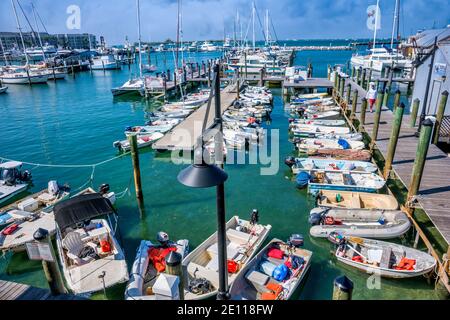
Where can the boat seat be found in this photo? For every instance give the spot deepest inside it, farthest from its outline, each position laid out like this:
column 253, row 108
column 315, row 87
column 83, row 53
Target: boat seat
column 258, row 280
column 46, row 197
column 385, row 261
column 355, row 201
column 74, row 245
column 240, row 237
column 202, row 272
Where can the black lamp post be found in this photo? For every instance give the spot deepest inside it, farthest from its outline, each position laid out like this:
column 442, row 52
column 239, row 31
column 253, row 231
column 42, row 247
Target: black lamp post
column 203, row 175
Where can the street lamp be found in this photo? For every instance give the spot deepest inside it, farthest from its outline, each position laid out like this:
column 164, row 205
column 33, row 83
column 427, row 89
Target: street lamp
column 203, row 175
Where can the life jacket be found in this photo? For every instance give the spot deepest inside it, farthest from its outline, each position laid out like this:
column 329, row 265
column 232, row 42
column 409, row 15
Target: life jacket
column 275, row 290
column 158, row 255
column 406, row 264
column 233, row 266
column 275, row 253
column 357, row 259
column 105, row 246
column 10, row 230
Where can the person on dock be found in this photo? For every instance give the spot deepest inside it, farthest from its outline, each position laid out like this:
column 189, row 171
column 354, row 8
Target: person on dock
column 371, row 96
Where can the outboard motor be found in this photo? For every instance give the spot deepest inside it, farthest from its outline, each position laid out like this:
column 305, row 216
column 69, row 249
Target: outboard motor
column 53, row 187
column 291, row 120
column 316, row 216
column 289, row 161
column 254, row 218
column 128, row 128
column 9, row 177
column 163, row 238
column 104, row 189
column 296, row 240
column 24, row 176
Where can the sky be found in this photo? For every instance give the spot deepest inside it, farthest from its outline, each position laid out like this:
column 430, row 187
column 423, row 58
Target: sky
column 207, row 19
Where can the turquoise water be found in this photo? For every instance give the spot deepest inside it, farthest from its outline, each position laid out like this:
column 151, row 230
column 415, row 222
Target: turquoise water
column 75, row 121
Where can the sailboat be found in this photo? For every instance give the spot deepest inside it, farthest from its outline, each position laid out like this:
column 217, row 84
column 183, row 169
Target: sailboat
column 136, row 85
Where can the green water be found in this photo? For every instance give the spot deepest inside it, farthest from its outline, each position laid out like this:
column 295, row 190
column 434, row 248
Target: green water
column 75, row 121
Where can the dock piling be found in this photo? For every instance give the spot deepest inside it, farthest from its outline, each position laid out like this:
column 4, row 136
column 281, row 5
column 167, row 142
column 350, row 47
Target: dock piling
column 414, row 112
column 341, row 88
column 363, row 78
column 175, row 268
column 349, row 93
column 132, row 139
column 358, row 76
column 421, row 154
column 396, row 100
column 440, row 116
column 342, row 288
column 354, row 103
column 362, row 119
column 398, row 116
column 376, row 120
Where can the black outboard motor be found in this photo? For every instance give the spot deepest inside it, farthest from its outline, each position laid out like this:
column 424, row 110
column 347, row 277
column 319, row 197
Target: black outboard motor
column 316, row 216
column 296, row 240
column 289, row 161
column 24, row 176
column 9, row 177
column 104, row 189
column 163, row 239
column 254, row 218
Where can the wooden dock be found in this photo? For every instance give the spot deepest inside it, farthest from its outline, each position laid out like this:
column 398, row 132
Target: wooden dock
column 434, row 193
column 17, row 291
column 185, row 135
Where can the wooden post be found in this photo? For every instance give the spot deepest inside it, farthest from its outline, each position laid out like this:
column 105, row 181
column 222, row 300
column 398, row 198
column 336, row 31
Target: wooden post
column 440, row 116
column 349, row 93
column 414, row 112
column 396, row 100
column 376, row 121
column 358, row 75
column 362, row 118
column 354, row 104
column 397, row 124
column 245, row 62
column 369, row 79
column 363, row 78
column 175, row 268
column 342, row 288
column 421, row 155
column 209, row 74
column 336, row 81
column 238, row 84
column 342, row 88
column 352, row 76
column 51, row 269
column 261, row 77
column 386, row 96
column 132, row 139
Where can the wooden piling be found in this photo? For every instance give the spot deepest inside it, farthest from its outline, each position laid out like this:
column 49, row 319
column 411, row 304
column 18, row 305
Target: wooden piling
column 363, row 78
column 354, row 104
column 341, row 88
column 396, row 125
column 362, row 119
column 369, row 79
column 336, row 81
column 421, row 155
column 132, row 139
column 440, row 116
column 349, row 93
column 342, row 288
column 396, row 100
column 376, row 120
column 353, row 72
column 414, row 112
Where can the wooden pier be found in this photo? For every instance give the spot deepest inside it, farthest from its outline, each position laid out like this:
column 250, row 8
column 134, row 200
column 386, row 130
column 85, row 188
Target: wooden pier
column 17, row 291
column 185, row 135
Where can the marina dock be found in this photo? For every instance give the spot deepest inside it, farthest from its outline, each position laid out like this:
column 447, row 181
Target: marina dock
column 17, row 291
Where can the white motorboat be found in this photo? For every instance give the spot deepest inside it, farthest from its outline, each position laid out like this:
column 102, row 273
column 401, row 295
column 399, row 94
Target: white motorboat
column 131, row 86
column 142, row 141
column 310, row 144
column 23, row 77
column 105, row 62
column 207, row 47
column 89, row 253
column 3, row 89
column 13, row 180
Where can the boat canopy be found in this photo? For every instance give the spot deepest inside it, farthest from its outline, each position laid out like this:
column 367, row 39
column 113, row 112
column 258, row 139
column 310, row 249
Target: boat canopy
column 81, row 208
column 10, row 165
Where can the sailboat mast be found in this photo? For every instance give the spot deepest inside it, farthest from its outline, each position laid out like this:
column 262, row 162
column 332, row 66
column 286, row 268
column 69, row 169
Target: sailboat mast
column 376, row 26
column 139, row 36
column 253, row 24
column 20, row 31
column 178, row 33
column 3, row 50
column 37, row 31
column 267, row 27
column 395, row 23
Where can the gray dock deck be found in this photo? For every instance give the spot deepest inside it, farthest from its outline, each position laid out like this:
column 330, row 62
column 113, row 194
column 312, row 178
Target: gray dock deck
column 185, row 135
column 17, row 291
column 434, row 193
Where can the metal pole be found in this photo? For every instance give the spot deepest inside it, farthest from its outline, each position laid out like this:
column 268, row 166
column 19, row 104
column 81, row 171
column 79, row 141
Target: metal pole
column 398, row 116
column 421, row 154
column 440, row 116
column 221, row 244
column 427, row 88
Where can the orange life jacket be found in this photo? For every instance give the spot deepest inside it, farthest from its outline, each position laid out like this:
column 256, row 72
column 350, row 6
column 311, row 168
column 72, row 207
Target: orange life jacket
column 158, row 257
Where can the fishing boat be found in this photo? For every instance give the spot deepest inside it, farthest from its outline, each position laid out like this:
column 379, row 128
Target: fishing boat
column 360, row 155
column 89, row 253
column 316, row 122
column 356, row 200
column 385, row 259
column 244, row 238
column 312, row 95
column 302, row 164
column 13, row 180
column 149, row 263
column 311, row 144
column 259, row 281
column 23, row 77
column 3, row 89
column 105, row 62
column 305, row 130
column 131, row 86
column 345, row 181
column 357, row 136
column 322, row 115
column 142, row 141
column 375, row 224
column 146, row 130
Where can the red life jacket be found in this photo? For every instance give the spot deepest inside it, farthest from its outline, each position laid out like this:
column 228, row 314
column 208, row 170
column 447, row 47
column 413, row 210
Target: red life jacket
column 158, row 257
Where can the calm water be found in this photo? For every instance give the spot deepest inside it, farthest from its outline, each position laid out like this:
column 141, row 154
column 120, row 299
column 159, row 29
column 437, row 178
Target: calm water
column 75, row 121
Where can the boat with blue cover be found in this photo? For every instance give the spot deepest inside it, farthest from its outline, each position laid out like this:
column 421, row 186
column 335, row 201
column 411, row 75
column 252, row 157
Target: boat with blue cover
column 306, row 164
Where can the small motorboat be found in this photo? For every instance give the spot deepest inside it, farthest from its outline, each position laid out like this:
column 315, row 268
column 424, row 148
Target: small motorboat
column 308, row 145
column 375, row 224
column 316, row 122
column 131, row 86
column 149, row 263
column 306, row 130
column 385, row 259
column 146, row 130
column 89, row 253
column 244, row 238
column 142, row 141
column 345, row 181
column 149, row 68
column 273, row 274
column 357, row 155
column 13, row 180
column 357, row 136
column 356, row 200
column 305, row 164
column 3, row 89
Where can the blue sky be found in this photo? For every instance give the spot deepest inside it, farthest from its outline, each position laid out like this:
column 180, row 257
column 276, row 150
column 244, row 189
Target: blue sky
column 205, row 19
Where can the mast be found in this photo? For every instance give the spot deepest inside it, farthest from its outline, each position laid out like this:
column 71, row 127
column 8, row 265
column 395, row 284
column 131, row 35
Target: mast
column 267, row 28
column 20, row 32
column 395, row 24
column 4, row 53
column 139, row 36
column 178, row 33
column 37, row 31
column 253, row 23
column 375, row 27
